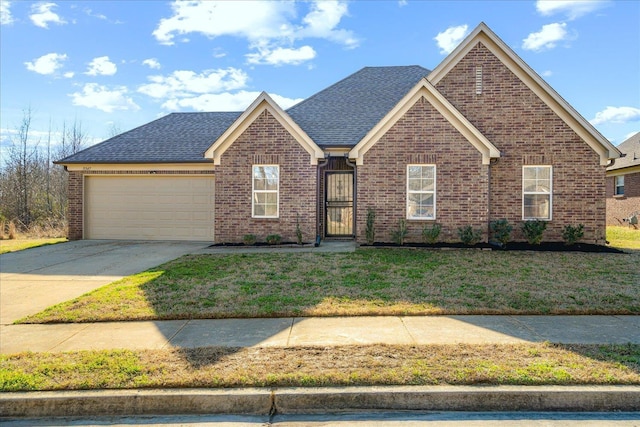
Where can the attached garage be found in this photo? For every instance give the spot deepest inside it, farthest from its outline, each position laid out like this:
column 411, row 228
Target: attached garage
column 149, row 207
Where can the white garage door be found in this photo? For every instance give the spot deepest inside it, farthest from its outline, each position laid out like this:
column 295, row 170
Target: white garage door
column 149, row 207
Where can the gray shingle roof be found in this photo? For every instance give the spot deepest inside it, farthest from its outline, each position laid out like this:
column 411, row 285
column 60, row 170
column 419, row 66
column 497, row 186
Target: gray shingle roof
column 177, row 137
column 630, row 147
column 340, row 115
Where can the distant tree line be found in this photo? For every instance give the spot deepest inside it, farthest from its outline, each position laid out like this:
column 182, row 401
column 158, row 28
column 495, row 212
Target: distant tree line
column 33, row 191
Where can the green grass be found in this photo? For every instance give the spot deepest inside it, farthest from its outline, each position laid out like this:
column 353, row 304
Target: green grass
column 623, row 237
column 367, row 282
column 22, row 244
column 522, row 364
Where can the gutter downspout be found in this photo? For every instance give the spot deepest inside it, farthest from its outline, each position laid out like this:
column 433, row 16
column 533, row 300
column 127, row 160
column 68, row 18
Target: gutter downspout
column 319, row 205
column 355, row 191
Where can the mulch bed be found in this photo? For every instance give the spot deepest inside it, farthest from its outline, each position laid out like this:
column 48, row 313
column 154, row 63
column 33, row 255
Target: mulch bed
column 511, row 246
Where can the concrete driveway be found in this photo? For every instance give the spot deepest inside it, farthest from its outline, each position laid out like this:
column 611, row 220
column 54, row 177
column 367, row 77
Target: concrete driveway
column 33, row 279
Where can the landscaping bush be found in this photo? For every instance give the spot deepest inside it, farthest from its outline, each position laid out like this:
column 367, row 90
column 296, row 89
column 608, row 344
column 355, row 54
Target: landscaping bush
column 501, row 230
column 273, row 239
column 533, row 231
column 249, row 239
column 469, row 236
column 370, row 228
column 400, row 234
column 571, row 234
column 430, row 234
column 298, row 230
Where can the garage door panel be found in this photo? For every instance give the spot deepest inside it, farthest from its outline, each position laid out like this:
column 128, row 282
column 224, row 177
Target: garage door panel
column 149, row 208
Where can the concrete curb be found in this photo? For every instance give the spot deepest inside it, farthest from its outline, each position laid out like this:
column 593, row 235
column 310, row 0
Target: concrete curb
column 262, row 401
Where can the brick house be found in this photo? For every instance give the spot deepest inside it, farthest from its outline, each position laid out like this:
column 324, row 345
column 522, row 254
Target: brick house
column 623, row 184
column 479, row 138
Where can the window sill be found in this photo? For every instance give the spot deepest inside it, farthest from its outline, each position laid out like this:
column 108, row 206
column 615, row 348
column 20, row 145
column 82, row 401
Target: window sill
column 619, row 196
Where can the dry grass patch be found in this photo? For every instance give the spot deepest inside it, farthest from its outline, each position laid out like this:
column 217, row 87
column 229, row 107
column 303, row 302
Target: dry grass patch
column 21, row 244
column 524, row 364
column 367, row 282
column 624, row 237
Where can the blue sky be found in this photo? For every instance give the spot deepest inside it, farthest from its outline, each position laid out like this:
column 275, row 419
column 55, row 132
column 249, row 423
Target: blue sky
column 120, row 64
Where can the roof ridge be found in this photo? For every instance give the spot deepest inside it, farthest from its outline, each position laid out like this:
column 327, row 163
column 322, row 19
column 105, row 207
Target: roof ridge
column 350, row 76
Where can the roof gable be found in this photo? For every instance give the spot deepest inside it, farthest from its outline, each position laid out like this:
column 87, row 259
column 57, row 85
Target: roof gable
column 262, row 103
column 482, row 34
column 342, row 114
column 425, row 89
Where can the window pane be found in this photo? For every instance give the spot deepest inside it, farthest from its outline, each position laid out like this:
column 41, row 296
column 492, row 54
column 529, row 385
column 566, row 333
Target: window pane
column 544, row 173
column 271, row 210
column 258, row 210
column 259, row 184
column 537, row 206
column 271, row 198
column 529, row 173
column 415, row 172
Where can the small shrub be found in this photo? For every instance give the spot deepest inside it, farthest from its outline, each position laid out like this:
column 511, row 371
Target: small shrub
column 430, row 234
column 469, row 236
column 370, row 228
column 533, row 231
column 249, row 239
column 501, row 230
column 273, row 239
column 572, row 234
column 400, row 234
column 13, row 230
column 3, row 225
column 298, row 230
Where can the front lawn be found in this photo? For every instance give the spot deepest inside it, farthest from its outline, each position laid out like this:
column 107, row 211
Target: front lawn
column 367, row 282
column 521, row 364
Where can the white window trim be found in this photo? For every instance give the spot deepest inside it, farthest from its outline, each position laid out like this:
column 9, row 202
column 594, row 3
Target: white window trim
column 253, row 193
column 534, row 192
column 615, row 185
column 435, row 180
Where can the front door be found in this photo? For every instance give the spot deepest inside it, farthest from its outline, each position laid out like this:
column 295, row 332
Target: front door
column 339, row 204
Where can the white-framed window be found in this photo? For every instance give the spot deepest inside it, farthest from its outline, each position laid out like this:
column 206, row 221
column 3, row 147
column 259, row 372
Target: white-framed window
column 421, row 191
column 266, row 191
column 537, row 190
column 619, row 185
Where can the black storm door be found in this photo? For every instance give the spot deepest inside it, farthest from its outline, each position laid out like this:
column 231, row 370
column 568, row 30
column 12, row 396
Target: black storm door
column 339, row 204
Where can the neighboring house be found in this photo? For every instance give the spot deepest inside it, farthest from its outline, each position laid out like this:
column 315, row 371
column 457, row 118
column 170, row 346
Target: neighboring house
column 623, row 184
column 480, row 138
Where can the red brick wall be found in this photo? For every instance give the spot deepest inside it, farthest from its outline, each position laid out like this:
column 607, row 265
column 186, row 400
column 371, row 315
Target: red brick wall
column 75, row 209
column 620, row 207
column 265, row 141
column 526, row 131
column 422, row 136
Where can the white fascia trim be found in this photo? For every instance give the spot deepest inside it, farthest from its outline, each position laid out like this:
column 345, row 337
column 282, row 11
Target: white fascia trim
column 143, row 167
column 624, row 171
column 482, row 33
column 262, row 103
column 444, row 107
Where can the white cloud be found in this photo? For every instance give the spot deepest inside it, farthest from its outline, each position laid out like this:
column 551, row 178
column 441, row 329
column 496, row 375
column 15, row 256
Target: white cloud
column 547, row 73
column 402, row 3
column 42, row 14
column 69, row 74
column 264, row 24
column 322, row 20
column 183, row 83
column 616, row 115
column 281, row 56
column 571, row 8
column 546, row 38
column 46, row 64
column 5, row 13
column 102, row 98
column 101, row 66
column 152, row 63
column 238, row 101
column 450, row 38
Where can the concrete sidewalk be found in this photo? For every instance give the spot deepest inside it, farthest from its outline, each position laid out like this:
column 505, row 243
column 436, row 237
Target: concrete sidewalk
column 328, row 331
